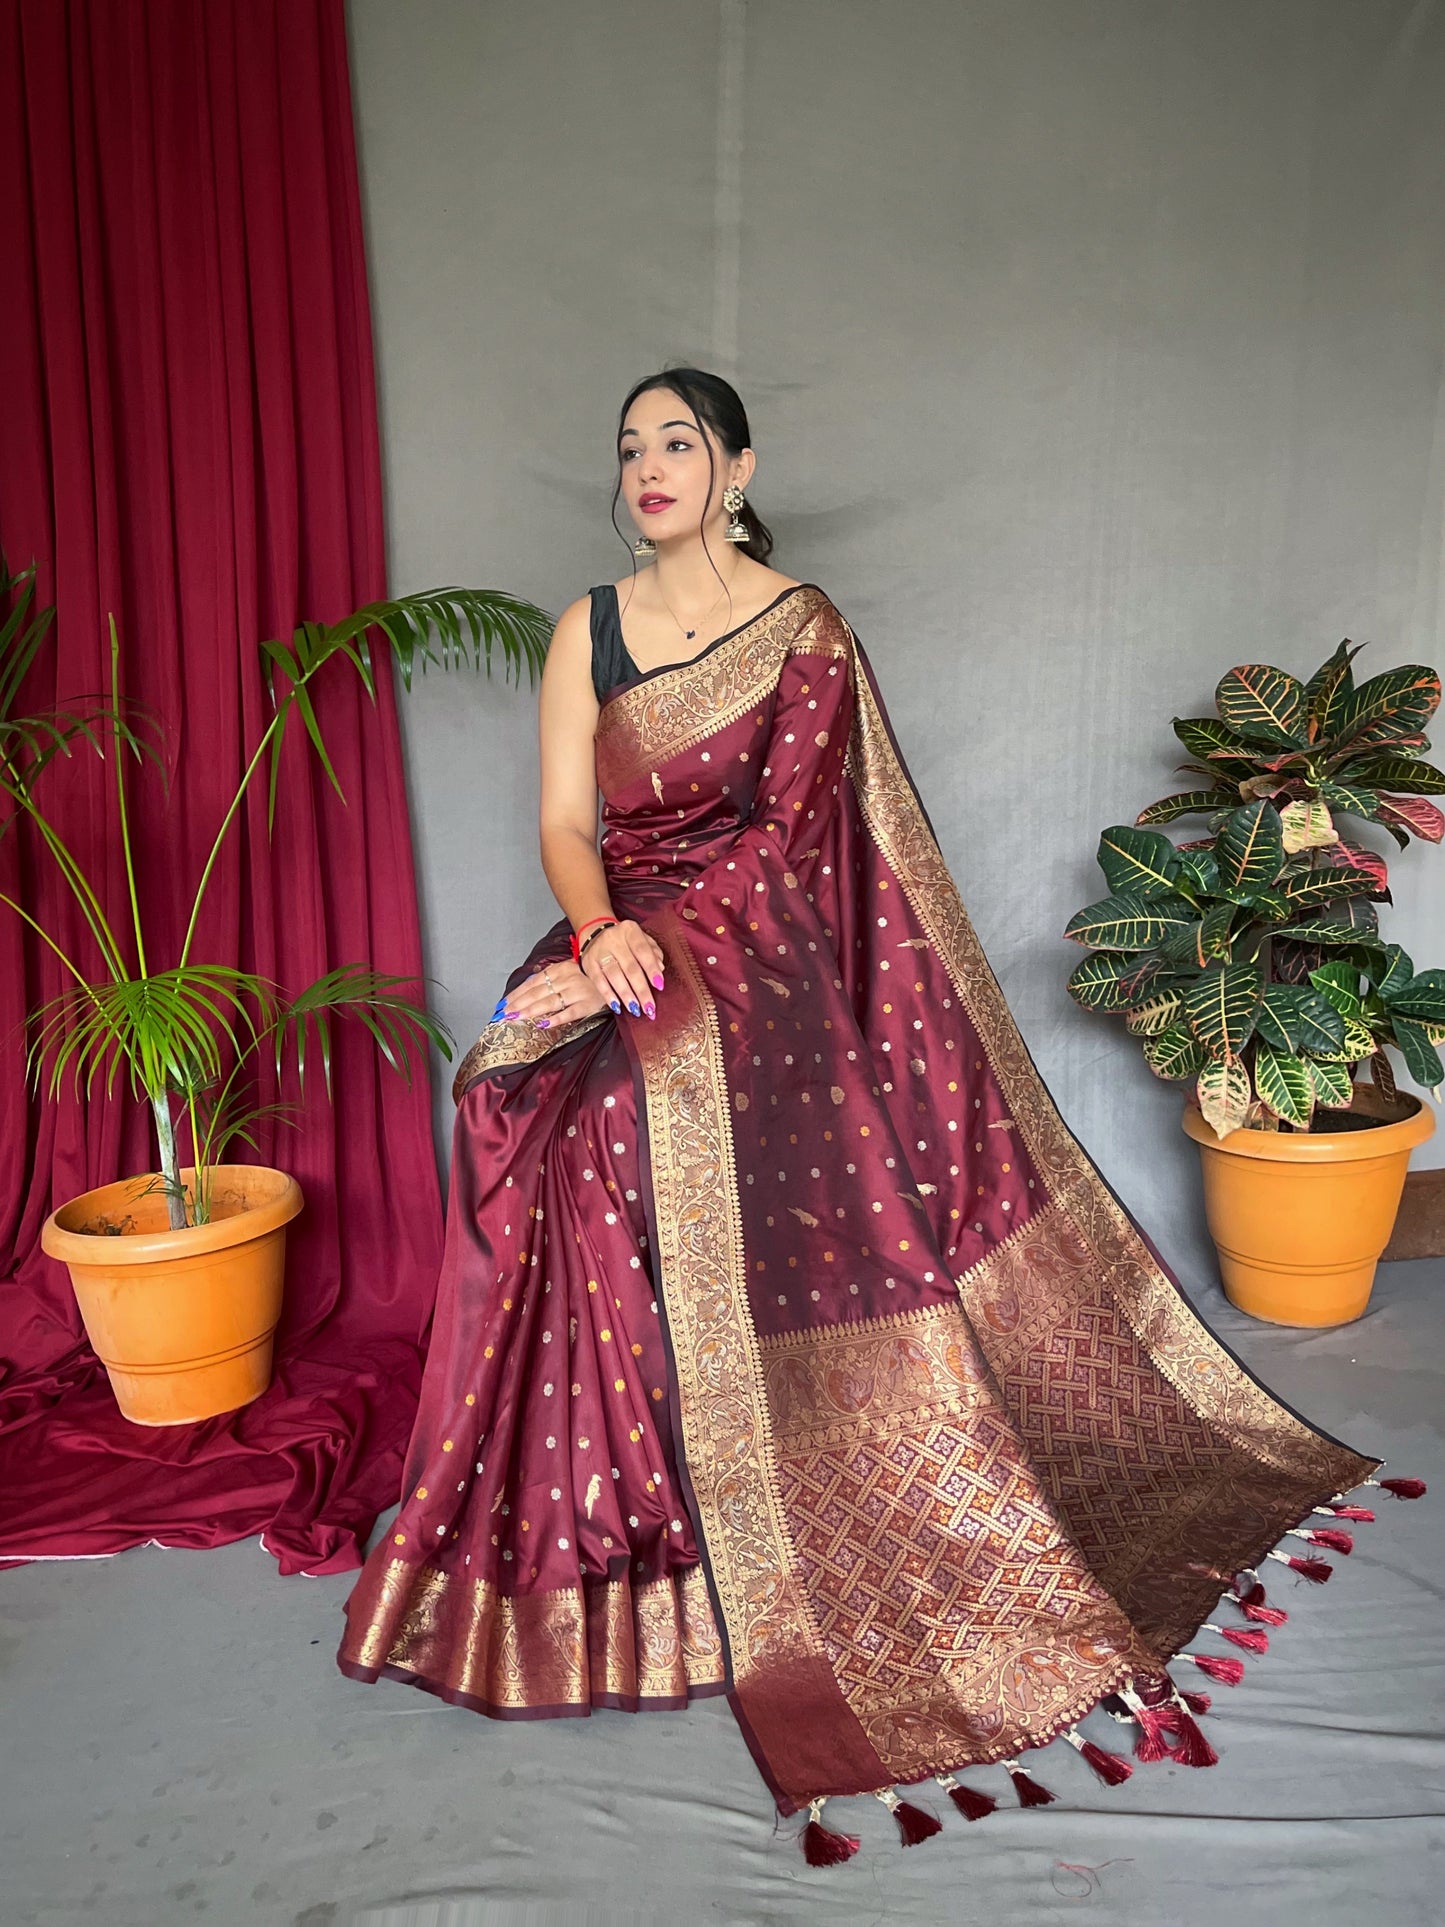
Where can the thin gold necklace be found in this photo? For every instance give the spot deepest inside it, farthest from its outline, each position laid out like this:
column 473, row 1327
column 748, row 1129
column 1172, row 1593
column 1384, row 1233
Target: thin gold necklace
column 688, row 634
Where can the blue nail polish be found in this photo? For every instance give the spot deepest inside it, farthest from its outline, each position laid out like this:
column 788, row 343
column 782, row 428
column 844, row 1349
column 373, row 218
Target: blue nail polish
column 634, row 1007
column 615, row 1005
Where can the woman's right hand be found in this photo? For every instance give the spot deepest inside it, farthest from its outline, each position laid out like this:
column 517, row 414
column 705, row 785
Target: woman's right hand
column 627, row 966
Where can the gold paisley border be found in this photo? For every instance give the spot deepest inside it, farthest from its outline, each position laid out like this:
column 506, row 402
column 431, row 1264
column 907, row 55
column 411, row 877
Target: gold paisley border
column 1175, row 1338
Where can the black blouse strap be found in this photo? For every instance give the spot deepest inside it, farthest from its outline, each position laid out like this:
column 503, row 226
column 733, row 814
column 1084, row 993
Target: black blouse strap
column 611, row 664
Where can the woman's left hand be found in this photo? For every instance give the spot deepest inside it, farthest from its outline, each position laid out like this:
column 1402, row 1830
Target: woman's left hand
column 557, row 993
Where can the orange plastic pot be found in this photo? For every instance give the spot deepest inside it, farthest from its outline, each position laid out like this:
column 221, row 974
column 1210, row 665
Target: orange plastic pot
column 1299, row 1218
column 183, row 1321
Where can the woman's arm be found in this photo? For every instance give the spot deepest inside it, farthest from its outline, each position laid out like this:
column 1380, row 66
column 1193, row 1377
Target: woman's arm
column 571, row 861
column 567, row 722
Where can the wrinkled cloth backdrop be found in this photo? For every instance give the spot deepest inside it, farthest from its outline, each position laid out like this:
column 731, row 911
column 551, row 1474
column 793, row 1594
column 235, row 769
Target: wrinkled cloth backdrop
column 185, row 356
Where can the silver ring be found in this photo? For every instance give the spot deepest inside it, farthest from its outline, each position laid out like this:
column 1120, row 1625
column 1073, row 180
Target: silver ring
column 609, row 958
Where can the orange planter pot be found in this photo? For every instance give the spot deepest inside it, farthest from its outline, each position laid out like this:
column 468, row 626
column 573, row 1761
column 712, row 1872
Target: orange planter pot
column 183, row 1321
column 1299, row 1219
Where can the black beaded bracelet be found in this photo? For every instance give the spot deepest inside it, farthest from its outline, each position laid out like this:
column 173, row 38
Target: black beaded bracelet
column 582, row 948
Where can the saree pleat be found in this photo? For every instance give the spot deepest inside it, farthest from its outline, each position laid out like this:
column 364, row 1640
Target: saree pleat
column 932, row 1435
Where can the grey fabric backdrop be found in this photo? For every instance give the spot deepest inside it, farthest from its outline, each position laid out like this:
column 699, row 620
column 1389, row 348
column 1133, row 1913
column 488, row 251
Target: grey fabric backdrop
column 1090, row 347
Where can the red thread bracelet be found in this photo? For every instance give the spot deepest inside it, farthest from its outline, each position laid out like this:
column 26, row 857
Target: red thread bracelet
column 576, row 945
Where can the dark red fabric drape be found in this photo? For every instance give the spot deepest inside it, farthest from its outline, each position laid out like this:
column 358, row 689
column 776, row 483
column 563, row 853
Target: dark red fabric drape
column 190, row 442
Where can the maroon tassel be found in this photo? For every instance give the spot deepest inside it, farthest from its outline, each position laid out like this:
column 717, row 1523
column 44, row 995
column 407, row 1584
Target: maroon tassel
column 1251, row 1603
column 1360, row 1513
column 1153, row 1742
column 1315, row 1570
column 1228, row 1671
column 823, row 1848
column 1192, row 1749
column 1198, row 1703
column 1111, row 1768
column 1030, row 1793
column 970, row 1803
column 1332, row 1540
column 914, row 1824
column 1254, row 1639
column 1402, row 1488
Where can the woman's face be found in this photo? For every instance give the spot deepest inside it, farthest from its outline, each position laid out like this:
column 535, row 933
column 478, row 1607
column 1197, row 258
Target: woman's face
column 664, row 459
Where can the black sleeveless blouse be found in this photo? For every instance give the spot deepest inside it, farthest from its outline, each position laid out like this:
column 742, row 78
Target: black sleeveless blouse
column 611, row 663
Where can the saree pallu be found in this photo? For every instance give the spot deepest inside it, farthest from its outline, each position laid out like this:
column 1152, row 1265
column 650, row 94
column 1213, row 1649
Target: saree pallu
column 789, row 1345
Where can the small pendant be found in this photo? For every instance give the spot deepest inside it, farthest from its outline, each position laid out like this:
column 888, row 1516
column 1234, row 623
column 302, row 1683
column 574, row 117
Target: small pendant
column 690, row 634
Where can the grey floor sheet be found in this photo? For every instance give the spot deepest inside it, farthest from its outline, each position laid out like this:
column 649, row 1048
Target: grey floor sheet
column 176, row 1745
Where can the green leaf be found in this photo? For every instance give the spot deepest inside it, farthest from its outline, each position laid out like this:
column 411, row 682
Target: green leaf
column 1296, row 1017
column 1221, row 1005
column 1198, row 867
column 1263, row 704
column 1422, row 1060
column 1351, row 799
column 1395, row 974
column 1309, row 890
column 1333, row 1085
column 1250, row 847
column 1184, row 803
column 1403, row 773
column 1398, row 703
column 1128, row 922
column 1149, row 1019
column 1328, row 933
column 1094, row 983
column 1208, row 737
column 1175, row 1052
column 1338, row 982
column 1421, row 998
column 1283, row 1083
column 1329, row 689
column 1224, row 1095
column 1203, row 942
column 1139, row 862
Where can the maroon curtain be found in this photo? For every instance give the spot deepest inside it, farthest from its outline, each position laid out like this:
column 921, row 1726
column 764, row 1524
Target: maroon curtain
column 191, row 443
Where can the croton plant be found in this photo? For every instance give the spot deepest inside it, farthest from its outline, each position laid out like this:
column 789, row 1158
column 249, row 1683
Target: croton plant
column 1250, row 959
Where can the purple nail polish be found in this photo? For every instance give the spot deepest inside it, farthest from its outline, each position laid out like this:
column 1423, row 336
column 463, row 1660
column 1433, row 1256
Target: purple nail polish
column 657, row 980
column 651, row 1009
column 543, row 1022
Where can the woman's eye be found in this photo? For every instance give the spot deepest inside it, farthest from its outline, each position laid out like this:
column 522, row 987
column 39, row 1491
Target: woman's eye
column 674, row 443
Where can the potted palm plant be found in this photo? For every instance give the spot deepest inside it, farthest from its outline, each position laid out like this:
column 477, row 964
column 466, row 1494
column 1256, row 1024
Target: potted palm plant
column 1250, row 964
column 178, row 1273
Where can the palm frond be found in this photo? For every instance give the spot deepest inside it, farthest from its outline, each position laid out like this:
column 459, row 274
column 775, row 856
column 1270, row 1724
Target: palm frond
column 167, row 1029
column 385, row 1004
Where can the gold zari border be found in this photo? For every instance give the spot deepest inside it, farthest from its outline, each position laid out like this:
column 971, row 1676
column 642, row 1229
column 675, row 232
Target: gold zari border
column 516, row 1652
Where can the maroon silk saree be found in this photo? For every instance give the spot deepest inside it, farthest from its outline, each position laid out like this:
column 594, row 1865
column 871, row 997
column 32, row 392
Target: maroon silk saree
column 789, row 1345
